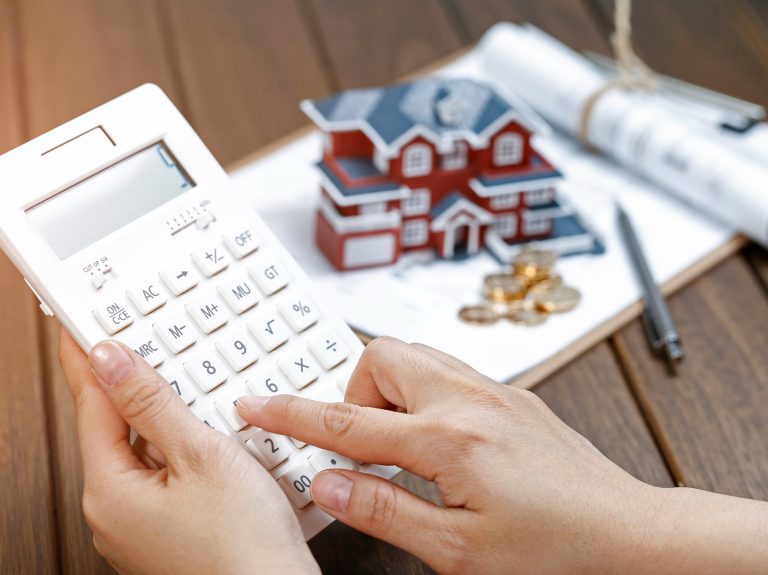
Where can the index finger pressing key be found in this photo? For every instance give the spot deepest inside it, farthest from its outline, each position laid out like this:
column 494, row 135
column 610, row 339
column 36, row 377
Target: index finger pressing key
column 361, row 433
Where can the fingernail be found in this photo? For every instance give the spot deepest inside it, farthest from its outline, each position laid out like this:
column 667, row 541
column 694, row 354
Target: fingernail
column 250, row 402
column 111, row 362
column 331, row 490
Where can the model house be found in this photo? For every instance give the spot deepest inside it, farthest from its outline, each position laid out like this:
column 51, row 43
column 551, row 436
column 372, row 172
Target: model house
column 443, row 164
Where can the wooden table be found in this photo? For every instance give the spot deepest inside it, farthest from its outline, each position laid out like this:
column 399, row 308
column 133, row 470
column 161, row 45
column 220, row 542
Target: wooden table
column 237, row 69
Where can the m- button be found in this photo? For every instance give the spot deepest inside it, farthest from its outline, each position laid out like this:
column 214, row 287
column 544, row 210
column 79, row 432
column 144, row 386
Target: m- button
column 113, row 315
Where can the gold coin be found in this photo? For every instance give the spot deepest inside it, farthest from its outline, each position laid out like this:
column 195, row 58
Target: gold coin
column 478, row 314
column 527, row 317
column 531, row 257
column 559, row 299
column 504, row 287
column 509, row 307
column 548, row 284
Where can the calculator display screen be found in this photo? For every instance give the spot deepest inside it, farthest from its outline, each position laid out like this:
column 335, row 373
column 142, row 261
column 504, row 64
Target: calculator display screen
column 97, row 206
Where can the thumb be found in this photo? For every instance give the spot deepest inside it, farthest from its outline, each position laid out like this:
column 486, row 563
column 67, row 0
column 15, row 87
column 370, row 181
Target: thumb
column 146, row 401
column 387, row 511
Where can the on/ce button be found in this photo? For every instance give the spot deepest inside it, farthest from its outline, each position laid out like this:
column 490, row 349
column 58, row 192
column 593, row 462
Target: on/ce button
column 113, row 315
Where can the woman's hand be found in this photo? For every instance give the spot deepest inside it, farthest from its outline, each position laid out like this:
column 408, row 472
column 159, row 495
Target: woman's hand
column 184, row 498
column 523, row 492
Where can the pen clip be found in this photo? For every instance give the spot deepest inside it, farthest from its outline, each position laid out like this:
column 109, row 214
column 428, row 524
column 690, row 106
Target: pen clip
column 654, row 338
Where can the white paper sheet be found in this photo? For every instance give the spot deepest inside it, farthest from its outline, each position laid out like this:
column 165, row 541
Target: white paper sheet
column 422, row 304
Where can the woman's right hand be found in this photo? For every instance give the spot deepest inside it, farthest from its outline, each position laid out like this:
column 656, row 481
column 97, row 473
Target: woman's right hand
column 523, row 493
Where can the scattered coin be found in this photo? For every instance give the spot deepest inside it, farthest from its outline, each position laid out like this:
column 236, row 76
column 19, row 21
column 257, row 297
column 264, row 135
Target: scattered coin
column 504, row 288
column 548, row 284
column 527, row 317
column 478, row 314
column 534, row 265
column 557, row 300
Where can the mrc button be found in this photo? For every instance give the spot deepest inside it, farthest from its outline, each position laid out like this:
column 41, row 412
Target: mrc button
column 113, row 315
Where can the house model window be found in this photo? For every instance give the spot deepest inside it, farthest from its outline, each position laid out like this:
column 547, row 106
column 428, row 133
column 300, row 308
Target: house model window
column 415, row 232
column 508, row 150
column 417, row 203
column 373, row 208
column 417, row 160
column 456, row 159
column 506, row 225
column 536, row 225
column 537, row 197
column 505, row 201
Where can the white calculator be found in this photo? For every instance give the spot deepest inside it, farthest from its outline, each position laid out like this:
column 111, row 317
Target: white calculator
column 125, row 226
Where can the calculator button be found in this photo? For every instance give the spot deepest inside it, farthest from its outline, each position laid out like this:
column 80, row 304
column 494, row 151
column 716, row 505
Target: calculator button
column 98, row 279
column 225, row 405
column 211, row 260
column 296, row 484
column 176, row 332
column 269, row 330
column 147, row 347
column 239, row 292
column 238, row 348
column 113, row 315
column 269, row 448
column 269, row 381
column 208, row 312
column 207, row 369
column 300, row 312
column 213, row 421
column 329, row 349
column 270, row 275
column 300, row 367
column 181, row 384
column 297, row 442
column 180, row 278
column 241, row 241
column 147, row 297
column 322, row 459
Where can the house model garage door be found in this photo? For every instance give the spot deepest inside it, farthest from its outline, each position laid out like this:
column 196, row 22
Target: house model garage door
column 370, row 250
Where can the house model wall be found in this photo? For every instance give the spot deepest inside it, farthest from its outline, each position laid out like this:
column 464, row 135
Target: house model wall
column 444, row 164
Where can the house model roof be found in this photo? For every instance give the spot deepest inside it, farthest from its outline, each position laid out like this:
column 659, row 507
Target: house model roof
column 440, row 109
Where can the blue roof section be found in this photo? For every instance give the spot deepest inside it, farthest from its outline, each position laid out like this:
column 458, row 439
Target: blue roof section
column 445, row 204
column 358, row 167
column 386, row 186
column 540, row 207
column 439, row 105
column 491, row 181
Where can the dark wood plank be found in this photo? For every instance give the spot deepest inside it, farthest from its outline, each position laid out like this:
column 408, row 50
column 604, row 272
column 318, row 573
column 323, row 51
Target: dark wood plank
column 77, row 55
column 710, row 418
column 371, row 43
column 28, row 542
column 720, row 45
column 571, row 21
column 244, row 67
column 592, row 396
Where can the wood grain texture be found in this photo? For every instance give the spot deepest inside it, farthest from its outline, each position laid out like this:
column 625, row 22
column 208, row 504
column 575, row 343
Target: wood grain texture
column 28, row 537
column 710, row 418
column 77, row 55
column 370, row 43
column 571, row 21
column 713, row 43
column 244, row 67
column 592, row 396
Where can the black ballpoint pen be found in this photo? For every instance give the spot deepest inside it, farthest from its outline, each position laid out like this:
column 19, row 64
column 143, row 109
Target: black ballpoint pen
column 657, row 319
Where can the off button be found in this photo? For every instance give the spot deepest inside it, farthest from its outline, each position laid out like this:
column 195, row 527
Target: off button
column 113, row 315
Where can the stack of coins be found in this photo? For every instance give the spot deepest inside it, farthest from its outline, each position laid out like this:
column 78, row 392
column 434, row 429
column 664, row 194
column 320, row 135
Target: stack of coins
column 527, row 295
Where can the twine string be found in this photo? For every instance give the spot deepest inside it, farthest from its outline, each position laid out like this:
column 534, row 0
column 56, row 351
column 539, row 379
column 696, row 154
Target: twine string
column 632, row 71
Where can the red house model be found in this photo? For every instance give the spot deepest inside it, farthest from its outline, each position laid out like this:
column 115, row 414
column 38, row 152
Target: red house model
column 445, row 164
